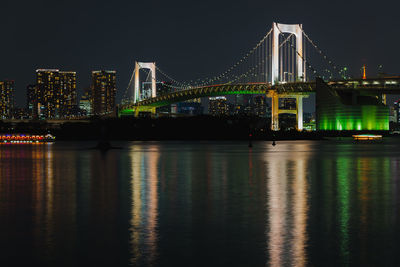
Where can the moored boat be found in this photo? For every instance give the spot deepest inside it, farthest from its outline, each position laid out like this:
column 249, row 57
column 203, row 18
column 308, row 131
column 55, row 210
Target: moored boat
column 367, row 137
column 26, row 138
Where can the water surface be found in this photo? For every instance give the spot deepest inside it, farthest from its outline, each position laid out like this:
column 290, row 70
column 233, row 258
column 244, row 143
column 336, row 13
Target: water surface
column 300, row 203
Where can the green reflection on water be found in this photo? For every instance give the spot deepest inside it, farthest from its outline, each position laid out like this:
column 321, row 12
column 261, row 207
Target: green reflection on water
column 343, row 167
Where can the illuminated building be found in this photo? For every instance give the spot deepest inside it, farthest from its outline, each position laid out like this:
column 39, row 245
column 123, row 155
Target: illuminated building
column 32, row 99
column 162, row 88
column 20, row 113
column 349, row 111
column 396, row 112
column 6, row 99
column 218, row 106
column 243, row 105
column 103, row 91
column 393, row 114
column 85, row 104
column 56, row 93
column 189, row 108
column 260, row 106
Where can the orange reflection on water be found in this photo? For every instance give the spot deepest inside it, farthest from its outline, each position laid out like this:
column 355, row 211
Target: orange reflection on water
column 152, row 199
column 277, row 202
column 136, row 202
column 300, row 209
column 287, row 205
column 144, row 188
column 49, row 182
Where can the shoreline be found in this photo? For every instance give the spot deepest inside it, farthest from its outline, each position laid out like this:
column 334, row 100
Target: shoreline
column 198, row 128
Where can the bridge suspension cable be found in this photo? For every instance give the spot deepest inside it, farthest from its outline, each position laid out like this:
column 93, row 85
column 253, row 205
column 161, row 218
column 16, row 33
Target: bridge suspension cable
column 254, row 66
column 225, row 74
column 302, row 57
column 127, row 90
column 262, row 48
column 324, row 56
column 244, row 58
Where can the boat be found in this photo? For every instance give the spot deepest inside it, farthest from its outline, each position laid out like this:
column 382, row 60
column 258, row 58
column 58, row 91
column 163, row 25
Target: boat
column 26, row 138
column 367, row 137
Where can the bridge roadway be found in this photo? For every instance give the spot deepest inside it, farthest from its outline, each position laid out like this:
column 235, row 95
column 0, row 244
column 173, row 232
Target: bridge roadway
column 222, row 90
column 386, row 85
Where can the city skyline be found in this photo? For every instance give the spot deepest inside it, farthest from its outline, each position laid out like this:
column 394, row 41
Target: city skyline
column 172, row 38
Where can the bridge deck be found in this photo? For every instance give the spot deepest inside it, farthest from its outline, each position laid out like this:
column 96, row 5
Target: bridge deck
column 386, row 85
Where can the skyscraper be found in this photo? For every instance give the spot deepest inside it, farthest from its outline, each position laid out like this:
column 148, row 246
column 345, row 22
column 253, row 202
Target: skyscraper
column 218, row 106
column 85, row 104
column 103, row 91
column 6, row 99
column 260, row 106
column 32, row 100
column 243, row 105
column 55, row 93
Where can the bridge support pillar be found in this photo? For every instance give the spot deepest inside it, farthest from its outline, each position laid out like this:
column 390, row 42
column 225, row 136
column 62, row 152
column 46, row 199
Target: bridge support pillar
column 145, row 109
column 384, row 99
column 299, row 112
column 274, row 110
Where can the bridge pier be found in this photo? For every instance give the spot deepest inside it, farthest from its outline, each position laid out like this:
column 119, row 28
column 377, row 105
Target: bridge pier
column 384, row 99
column 275, row 111
column 299, row 112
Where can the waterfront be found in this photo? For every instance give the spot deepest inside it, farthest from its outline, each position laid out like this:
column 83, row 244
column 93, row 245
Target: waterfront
column 300, row 203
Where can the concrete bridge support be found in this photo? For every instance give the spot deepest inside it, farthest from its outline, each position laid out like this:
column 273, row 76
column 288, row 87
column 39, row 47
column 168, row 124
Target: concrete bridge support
column 299, row 112
column 275, row 111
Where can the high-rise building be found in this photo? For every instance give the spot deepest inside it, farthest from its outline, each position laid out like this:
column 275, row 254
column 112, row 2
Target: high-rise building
column 104, row 90
column 396, row 114
column 85, row 105
column 33, row 98
column 162, row 88
column 260, row 106
column 55, row 93
column 189, row 108
column 243, row 105
column 6, row 99
column 30, row 98
column 218, row 106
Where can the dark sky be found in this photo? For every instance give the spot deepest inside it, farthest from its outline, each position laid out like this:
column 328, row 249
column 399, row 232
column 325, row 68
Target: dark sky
column 187, row 39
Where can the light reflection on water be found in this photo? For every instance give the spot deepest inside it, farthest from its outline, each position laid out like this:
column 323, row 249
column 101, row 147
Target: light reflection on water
column 144, row 217
column 201, row 203
column 287, row 207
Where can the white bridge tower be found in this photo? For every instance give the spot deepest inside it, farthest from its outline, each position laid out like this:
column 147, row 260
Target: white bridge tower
column 300, row 75
column 296, row 30
column 137, row 96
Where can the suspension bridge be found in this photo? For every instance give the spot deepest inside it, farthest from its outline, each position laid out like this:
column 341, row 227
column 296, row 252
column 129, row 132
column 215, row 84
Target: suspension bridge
column 278, row 66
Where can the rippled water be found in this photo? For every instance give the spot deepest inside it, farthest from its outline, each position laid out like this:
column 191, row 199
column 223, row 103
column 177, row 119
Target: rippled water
column 300, row 203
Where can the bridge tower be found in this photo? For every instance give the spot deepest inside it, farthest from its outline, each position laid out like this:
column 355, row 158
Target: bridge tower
column 296, row 30
column 137, row 96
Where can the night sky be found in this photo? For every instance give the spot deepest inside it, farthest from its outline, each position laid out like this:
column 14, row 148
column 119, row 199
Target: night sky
column 187, row 39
